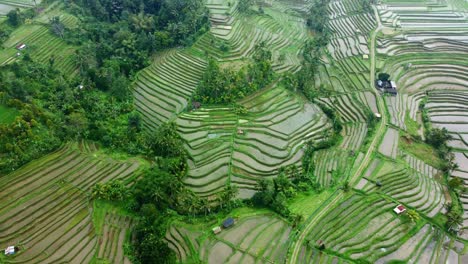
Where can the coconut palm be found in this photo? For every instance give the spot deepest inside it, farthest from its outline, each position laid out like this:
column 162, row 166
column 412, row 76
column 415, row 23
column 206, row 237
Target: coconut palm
column 454, row 221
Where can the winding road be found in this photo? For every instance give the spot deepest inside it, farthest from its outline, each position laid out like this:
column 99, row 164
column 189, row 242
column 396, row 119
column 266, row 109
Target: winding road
column 296, row 246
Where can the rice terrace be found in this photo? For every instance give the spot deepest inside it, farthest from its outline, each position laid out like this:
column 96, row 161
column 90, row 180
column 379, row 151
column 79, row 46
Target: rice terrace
column 233, row 131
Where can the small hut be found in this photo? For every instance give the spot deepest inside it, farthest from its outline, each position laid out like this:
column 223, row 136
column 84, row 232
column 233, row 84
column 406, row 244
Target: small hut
column 216, row 230
column 399, row 209
column 21, row 46
column 11, row 250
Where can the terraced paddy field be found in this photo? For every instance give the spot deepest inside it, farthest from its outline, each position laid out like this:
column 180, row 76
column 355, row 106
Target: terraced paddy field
column 422, row 44
column 162, row 90
column 350, row 26
column 332, row 166
column 46, row 210
column 364, row 228
column 427, row 59
column 404, row 108
column 426, row 246
column 281, row 28
column 256, row 238
column 389, row 145
column 424, row 14
column 8, row 5
column 40, row 43
column 448, row 109
column 359, row 226
column 242, row 149
column 433, row 71
column 462, row 172
column 409, row 184
column 116, row 232
column 346, row 66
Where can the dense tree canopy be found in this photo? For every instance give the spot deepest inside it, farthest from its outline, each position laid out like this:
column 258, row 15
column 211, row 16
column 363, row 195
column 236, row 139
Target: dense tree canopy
column 318, row 16
column 226, row 86
column 117, row 38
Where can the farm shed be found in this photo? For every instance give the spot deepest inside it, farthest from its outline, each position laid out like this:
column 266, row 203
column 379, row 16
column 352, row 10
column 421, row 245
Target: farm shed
column 10, row 250
column 216, row 230
column 399, row 209
column 20, row 46
column 387, row 87
column 228, row 222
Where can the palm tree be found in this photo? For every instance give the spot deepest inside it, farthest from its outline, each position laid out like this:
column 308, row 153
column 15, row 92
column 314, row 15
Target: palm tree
column 99, row 191
column 297, row 220
column 454, row 221
column 205, row 205
column 448, row 206
column 413, row 215
column 345, row 186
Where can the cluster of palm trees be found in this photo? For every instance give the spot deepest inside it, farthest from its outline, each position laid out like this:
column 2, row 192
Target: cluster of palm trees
column 454, row 219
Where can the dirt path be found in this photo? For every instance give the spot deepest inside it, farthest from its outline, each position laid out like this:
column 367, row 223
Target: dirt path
column 367, row 158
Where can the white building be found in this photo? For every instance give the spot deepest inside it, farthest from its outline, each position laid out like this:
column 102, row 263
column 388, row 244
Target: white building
column 10, row 250
column 399, row 209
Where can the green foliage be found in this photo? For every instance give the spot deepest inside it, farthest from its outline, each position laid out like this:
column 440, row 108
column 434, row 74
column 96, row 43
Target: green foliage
column 57, row 27
column 150, row 244
column 274, row 194
column 371, row 120
column 244, row 5
column 15, row 18
column 413, row 215
column 290, row 82
column 120, row 36
column 7, row 114
column 345, row 187
column 224, row 47
column 114, row 190
column 366, row 5
column 114, row 40
column 312, row 55
column 240, row 109
column 226, row 86
column 332, row 115
column 384, row 76
column 308, row 166
column 437, row 137
column 33, row 132
column 454, row 221
column 318, row 15
column 455, row 183
column 5, row 31
column 166, row 142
